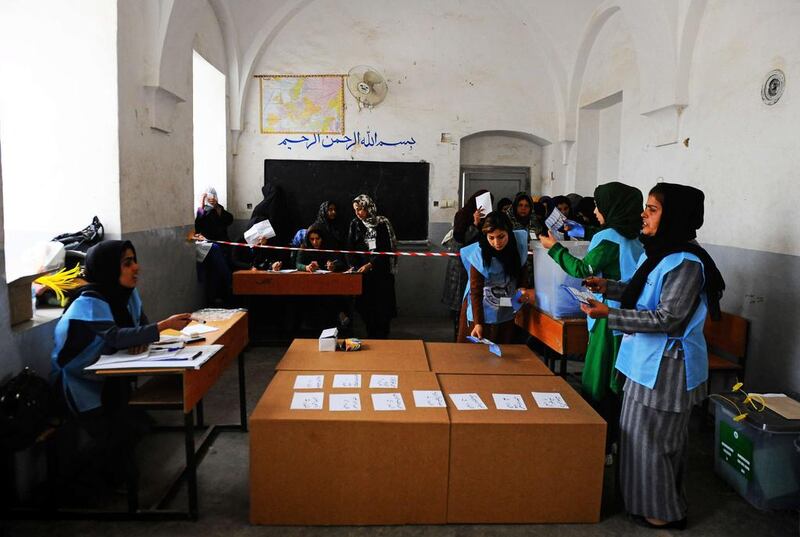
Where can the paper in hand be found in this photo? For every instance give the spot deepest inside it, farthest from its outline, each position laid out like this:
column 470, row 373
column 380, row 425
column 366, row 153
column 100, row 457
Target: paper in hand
column 484, row 203
column 581, row 296
column 260, row 230
column 556, row 220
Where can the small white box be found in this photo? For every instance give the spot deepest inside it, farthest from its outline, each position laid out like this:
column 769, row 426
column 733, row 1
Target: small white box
column 327, row 340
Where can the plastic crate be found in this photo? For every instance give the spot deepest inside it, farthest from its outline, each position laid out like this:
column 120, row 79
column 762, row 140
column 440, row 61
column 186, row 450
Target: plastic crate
column 759, row 456
column 551, row 297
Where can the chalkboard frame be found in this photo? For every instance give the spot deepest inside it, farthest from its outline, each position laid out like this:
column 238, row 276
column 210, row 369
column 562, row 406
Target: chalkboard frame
column 400, row 191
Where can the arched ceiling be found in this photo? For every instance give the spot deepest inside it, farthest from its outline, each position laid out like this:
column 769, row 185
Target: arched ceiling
column 561, row 31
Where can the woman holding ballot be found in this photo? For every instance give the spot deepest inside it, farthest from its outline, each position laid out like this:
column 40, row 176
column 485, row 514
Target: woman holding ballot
column 496, row 269
column 105, row 317
column 613, row 253
column 369, row 231
column 663, row 352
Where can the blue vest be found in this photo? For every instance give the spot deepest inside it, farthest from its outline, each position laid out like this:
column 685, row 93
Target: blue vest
column 497, row 283
column 640, row 353
column 83, row 389
column 630, row 250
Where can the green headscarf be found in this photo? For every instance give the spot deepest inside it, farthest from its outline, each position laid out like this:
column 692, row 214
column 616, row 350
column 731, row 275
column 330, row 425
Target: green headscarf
column 621, row 206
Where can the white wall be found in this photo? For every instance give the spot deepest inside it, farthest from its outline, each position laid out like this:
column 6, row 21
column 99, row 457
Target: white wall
column 156, row 166
column 504, row 150
column 208, row 128
column 453, row 66
column 58, row 120
column 608, row 143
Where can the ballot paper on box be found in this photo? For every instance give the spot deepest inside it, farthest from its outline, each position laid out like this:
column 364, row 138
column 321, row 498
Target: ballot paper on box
column 327, row 340
column 260, row 230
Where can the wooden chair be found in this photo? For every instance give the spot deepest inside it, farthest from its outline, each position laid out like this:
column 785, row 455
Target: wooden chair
column 727, row 344
column 727, row 348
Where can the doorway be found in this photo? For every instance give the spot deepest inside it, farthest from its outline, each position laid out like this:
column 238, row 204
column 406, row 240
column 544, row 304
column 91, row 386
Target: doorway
column 501, row 181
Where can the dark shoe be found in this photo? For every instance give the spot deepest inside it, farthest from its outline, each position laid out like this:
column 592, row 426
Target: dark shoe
column 673, row 525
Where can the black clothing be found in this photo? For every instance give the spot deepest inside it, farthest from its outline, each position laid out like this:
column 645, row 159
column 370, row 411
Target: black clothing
column 211, row 225
column 377, row 304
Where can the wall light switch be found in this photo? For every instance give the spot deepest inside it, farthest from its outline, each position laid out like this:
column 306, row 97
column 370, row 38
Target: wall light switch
column 436, row 203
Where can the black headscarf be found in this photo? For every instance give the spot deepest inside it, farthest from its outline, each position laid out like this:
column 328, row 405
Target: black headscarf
column 558, row 200
column 621, row 207
column 333, row 231
column 681, row 217
column 508, row 256
column 463, row 217
column 524, row 222
column 272, row 208
column 103, row 266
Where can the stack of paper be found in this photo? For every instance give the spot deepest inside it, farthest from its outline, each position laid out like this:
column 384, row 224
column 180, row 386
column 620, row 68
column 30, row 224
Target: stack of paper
column 185, row 358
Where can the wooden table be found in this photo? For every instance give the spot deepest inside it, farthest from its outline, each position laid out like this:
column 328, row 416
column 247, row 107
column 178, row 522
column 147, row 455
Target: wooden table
column 560, row 336
column 472, row 359
column 184, row 389
column 375, row 355
column 262, row 282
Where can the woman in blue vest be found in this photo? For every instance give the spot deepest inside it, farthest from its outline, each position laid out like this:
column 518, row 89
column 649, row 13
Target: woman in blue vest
column 496, row 269
column 613, row 254
column 663, row 352
column 105, row 317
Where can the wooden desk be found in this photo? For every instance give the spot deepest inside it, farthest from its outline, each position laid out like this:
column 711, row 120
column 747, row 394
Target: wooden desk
column 562, row 336
column 184, row 389
column 262, row 282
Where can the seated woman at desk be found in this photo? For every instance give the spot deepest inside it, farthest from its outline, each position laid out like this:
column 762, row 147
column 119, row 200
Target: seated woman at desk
column 496, row 268
column 319, row 311
column 105, row 317
column 663, row 353
column 377, row 303
column 309, row 260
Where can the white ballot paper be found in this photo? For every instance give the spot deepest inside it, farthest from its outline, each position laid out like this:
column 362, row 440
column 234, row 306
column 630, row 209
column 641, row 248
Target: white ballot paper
column 509, row 401
column 429, row 399
column 197, row 329
column 484, row 203
column 383, row 381
column 388, row 401
column 344, row 402
column 261, row 230
column 549, row 400
column 308, row 401
column 581, row 296
column 309, row 382
column 468, row 401
column 347, row 381
column 555, row 220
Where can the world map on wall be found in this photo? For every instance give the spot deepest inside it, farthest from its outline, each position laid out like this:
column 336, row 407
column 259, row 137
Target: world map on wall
column 302, row 104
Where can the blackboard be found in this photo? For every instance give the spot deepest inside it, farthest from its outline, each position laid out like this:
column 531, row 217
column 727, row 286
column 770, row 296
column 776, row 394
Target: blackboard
column 399, row 190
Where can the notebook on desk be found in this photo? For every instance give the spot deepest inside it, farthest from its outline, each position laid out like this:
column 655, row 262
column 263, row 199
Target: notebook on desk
column 186, row 358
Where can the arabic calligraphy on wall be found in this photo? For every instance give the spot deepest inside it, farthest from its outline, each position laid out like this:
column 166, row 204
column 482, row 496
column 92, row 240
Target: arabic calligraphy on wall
column 368, row 139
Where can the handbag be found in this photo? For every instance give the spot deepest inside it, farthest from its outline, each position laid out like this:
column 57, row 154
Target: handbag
column 84, row 239
column 26, row 410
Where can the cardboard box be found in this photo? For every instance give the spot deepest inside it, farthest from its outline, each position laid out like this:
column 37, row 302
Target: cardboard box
column 20, row 300
column 318, row 467
column 375, row 355
column 474, row 359
column 327, row 340
column 531, row 466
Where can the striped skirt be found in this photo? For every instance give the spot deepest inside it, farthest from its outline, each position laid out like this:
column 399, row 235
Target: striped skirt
column 653, row 454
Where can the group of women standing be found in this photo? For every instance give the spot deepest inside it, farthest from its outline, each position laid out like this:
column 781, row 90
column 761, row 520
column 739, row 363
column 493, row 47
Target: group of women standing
column 646, row 361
